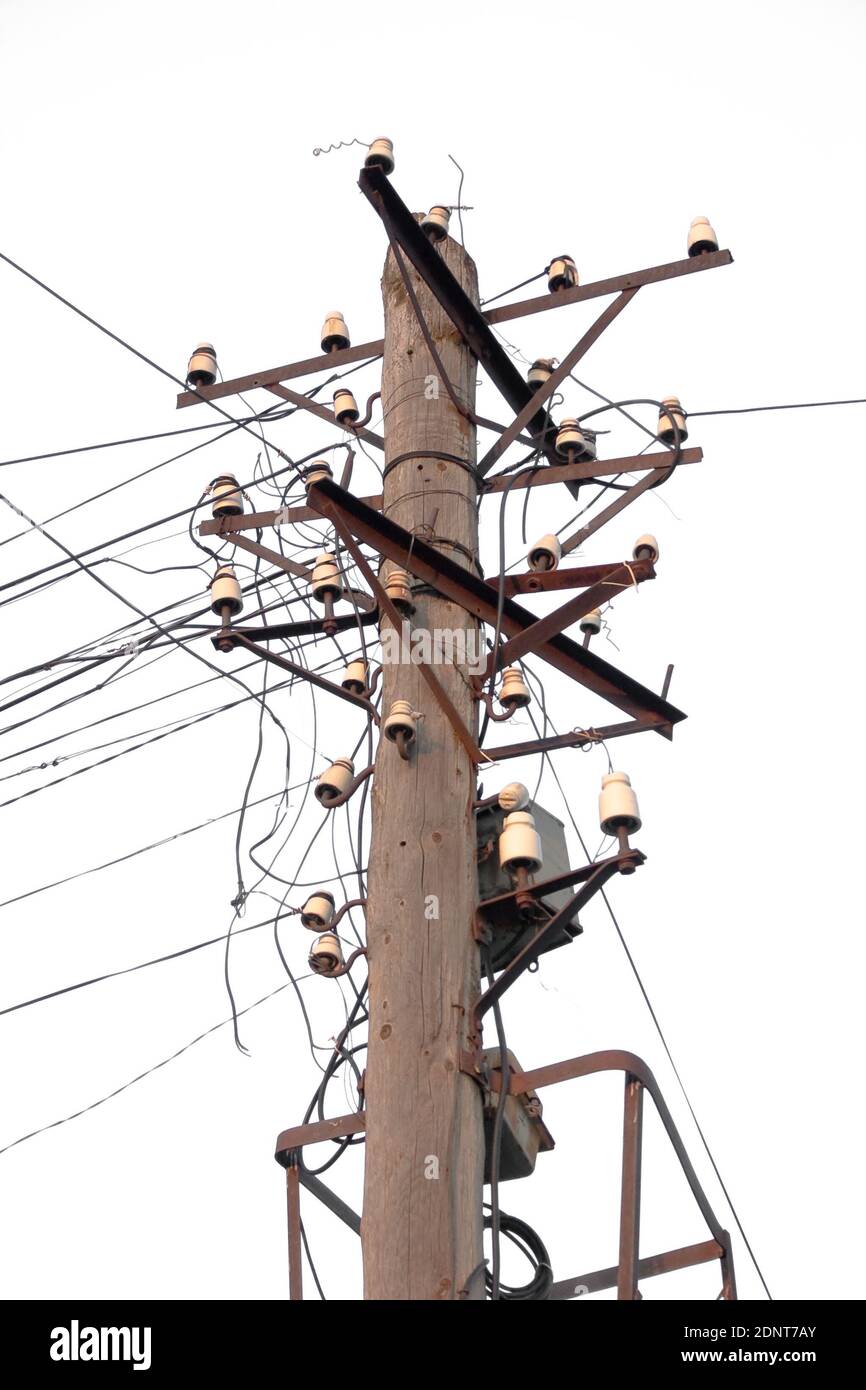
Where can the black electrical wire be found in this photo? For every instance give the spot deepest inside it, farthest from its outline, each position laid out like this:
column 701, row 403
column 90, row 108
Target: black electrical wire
column 294, row 465
column 521, row 1234
column 117, row 443
column 184, row 385
column 493, row 1275
column 503, row 293
column 753, row 409
column 309, row 1256
column 129, row 604
column 143, row 849
column 130, row 969
column 103, row 1100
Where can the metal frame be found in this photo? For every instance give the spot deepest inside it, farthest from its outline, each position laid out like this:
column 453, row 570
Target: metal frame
column 351, row 516
column 627, row 1274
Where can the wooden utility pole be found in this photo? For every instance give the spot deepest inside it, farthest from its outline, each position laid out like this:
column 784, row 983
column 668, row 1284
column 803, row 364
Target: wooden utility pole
column 424, row 1164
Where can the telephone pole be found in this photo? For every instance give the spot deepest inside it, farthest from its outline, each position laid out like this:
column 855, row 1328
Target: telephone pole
column 447, row 868
column 424, row 1158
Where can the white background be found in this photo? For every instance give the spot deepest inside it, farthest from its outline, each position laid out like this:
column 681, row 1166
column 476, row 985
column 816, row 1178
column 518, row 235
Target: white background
column 158, row 170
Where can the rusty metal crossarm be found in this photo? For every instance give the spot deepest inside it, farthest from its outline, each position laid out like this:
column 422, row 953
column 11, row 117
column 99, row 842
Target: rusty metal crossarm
column 276, row 632
column 460, row 585
column 362, row 600
column 623, row 576
column 576, row 738
column 325, row 362
column 578, row 577
column 587, row 471
column 260, row 521
column 595, row 289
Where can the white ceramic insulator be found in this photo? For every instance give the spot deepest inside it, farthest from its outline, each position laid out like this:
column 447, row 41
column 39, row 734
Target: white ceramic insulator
column 514, row 797
column 397, row 587
column 561, row 274
column 227, row 497
column 325, row 578
column 318, row 911
column 401, row 718
column 436, row 223
column 545, row 554
column 381, row 152
column 202, row 366
column 355, row 674
column 326, row 957
column 225, row 591
column 645, row 544
column 335, row 780
column 520, row 843
column 335, row 333
column 701, row 237
column 345, row 406
column 617, row 804
column 513, row 690
column 666, row 430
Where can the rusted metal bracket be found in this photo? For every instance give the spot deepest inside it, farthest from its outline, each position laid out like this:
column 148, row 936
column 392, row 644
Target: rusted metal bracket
column 621, row 577
column 264, row 552
column 577, row 738
column 240, row 639
column 305, row 403
column 595, row 877
column 536, row 402
column 666, row 1263
column 473, row 594
column 607, row 514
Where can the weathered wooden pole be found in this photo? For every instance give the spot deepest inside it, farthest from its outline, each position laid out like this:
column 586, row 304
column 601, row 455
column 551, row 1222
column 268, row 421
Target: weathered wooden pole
column 422, row 1219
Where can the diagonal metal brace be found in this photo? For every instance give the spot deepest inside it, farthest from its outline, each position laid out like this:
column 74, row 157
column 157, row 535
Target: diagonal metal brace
column 460, row 585
column 597, row 879
column 239, row 639
column 466, row 317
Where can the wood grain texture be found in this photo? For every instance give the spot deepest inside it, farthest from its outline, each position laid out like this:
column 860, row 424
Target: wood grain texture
column 422, row 1234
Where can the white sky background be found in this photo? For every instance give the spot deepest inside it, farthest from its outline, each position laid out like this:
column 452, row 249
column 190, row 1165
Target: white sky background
column 158, row 171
